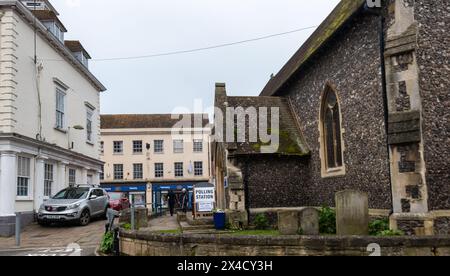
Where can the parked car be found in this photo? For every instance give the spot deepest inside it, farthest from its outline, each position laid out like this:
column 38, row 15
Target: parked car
column 76, row 204
column 118, row 201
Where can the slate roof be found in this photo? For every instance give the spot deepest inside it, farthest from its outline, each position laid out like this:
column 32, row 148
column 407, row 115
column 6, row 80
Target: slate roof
column 338, row 17
column 125, row 121
column 292, row 142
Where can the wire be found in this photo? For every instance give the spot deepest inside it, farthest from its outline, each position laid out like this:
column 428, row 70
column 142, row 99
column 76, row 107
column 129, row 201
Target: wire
column 203, row 48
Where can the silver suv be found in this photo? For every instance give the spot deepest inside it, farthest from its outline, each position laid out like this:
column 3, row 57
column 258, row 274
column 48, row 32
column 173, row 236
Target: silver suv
column 76, row 204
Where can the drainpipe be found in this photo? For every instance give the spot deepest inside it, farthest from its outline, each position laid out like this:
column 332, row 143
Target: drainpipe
column 379, row 12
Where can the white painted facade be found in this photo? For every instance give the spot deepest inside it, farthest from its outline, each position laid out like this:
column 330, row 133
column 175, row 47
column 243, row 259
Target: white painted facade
column 28, row 114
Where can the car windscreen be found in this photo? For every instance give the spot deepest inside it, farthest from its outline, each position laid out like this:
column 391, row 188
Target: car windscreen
column 72, row 193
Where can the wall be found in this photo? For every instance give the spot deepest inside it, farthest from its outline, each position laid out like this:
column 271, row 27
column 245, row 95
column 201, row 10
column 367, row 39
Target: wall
column 149, row 158
column 433, row 56
column 25, row 115
column 147, row 244
column 351, row 64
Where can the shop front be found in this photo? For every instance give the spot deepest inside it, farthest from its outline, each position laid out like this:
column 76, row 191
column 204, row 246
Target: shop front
column 161, row 190
column 136, row 192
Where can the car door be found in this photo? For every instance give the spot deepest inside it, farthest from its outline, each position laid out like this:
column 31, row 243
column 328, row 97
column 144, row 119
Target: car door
column 103, row 201
column 95, row 203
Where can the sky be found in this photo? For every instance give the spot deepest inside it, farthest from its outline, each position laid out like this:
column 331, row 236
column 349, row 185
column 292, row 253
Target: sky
column 129, row 28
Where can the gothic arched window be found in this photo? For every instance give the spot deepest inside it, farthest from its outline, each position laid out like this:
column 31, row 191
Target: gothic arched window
column 331, row 141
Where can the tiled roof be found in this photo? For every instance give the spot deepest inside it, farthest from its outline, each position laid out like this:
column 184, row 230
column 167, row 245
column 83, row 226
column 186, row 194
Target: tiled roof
column 338, row 17
column 150, row 120
column 291, row 139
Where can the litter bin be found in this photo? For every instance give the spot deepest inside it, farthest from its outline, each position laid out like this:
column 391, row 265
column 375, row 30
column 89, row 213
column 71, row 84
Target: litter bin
column 219, row 220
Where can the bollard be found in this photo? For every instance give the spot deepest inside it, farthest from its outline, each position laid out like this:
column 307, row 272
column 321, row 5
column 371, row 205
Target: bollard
column 133, row 226
column 116, row 242
column 18, row 230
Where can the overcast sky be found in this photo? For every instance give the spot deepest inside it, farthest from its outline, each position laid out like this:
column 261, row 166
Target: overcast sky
column 113, row 28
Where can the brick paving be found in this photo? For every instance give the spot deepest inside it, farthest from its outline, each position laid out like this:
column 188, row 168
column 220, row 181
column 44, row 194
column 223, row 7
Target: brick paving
column 53, row 240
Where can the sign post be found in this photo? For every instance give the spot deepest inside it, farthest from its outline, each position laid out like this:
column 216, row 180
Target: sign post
column 204, row 199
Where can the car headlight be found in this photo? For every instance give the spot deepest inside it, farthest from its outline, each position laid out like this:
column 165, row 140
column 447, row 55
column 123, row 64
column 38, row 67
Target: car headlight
column 73, row 206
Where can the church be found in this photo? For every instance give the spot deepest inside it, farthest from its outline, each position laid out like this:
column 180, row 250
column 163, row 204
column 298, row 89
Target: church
column 364, row 104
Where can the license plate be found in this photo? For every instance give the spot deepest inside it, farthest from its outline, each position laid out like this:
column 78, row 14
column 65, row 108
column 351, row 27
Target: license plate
column 53, row 217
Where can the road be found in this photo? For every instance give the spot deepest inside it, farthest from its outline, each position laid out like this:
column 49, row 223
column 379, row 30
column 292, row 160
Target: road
column 61, row 240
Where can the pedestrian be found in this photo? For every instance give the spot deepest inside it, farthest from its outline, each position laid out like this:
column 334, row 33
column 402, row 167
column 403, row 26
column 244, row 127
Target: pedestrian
column 184, row 200
column 171, row 199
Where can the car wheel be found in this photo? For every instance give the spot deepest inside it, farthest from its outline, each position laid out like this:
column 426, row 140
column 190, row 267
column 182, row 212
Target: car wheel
column 85, row 218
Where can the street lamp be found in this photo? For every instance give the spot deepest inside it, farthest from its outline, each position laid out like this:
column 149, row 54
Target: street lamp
column 76, row 127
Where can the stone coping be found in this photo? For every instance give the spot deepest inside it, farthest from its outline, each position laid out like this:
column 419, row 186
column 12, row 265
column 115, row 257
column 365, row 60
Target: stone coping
column 337, row 242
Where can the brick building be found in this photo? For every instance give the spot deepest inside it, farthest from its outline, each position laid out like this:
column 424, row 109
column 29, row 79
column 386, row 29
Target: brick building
column 366, row 98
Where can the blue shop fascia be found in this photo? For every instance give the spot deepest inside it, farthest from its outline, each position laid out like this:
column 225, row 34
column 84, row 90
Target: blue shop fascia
column 152, row 195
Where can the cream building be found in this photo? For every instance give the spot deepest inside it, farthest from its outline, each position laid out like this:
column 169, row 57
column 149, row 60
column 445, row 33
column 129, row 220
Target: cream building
column 49, row 111
column 144, row 159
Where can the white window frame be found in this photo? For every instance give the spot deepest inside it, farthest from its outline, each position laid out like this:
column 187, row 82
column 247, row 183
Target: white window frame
column 136, row 150
column 72, row 177
column 49, row 179
column 178, row 146
column 24, row 173
column 159, row 170
column 89, row 124
column 177, row 171
column 121, row 147
column 116, row 172
column 138, row 174
column 160, row 148
column 198, row 168
column 60, row 110
column 198, row 146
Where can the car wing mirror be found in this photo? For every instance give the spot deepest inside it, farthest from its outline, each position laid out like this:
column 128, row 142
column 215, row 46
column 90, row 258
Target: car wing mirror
column 93, row 197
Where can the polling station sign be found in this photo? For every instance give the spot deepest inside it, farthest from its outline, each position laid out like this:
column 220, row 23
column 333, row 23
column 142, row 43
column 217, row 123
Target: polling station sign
column 205, row 195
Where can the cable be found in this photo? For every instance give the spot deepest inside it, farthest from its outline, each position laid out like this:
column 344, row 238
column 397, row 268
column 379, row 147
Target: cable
column 200, row 49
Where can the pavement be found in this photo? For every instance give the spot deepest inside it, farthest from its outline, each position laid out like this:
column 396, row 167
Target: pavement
column 163, row 223
column 58, row 240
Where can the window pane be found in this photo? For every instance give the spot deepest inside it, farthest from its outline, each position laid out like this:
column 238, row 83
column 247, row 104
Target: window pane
column 159, row 146
column 118, row 171
column 137, row 146
column 198, row 168
column 178, row 146
column 337, row 126
column 179, row 172
column 198, row 145
column 138, row 171
column 159, row 170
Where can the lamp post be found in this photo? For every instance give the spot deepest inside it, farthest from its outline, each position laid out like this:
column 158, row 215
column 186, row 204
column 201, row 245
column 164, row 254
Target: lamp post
column 76, row 127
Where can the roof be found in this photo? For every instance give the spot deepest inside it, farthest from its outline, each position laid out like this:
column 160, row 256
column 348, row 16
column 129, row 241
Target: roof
column 48, row 15
column 291, row 140
column 338, row 17
column 65, row 53
column 76, row 46
column 124, row 121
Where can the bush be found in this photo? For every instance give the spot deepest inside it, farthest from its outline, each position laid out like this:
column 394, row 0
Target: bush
column 378, row 226
column 391, row 233
column 126, row 226
column 327, row 221
column 107, row 244
column 261, row 222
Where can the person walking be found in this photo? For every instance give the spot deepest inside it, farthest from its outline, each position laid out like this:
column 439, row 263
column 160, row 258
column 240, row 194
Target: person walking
column 171, row 199
column 184, row 200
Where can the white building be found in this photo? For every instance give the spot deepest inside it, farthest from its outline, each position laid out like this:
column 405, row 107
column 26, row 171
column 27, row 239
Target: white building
column 49, row 111
column 144, row 158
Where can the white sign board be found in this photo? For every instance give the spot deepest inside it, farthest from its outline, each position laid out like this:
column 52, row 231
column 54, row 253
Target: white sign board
column 205, row 207
column 205, row 198
column 205, row 195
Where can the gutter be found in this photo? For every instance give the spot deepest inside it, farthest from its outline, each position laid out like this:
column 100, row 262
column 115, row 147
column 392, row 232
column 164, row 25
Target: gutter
column 382, row 21
column 54, row 42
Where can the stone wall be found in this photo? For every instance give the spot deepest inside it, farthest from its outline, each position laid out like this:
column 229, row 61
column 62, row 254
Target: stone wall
column 433, row 58
column 151, row 244
column 351, row 63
